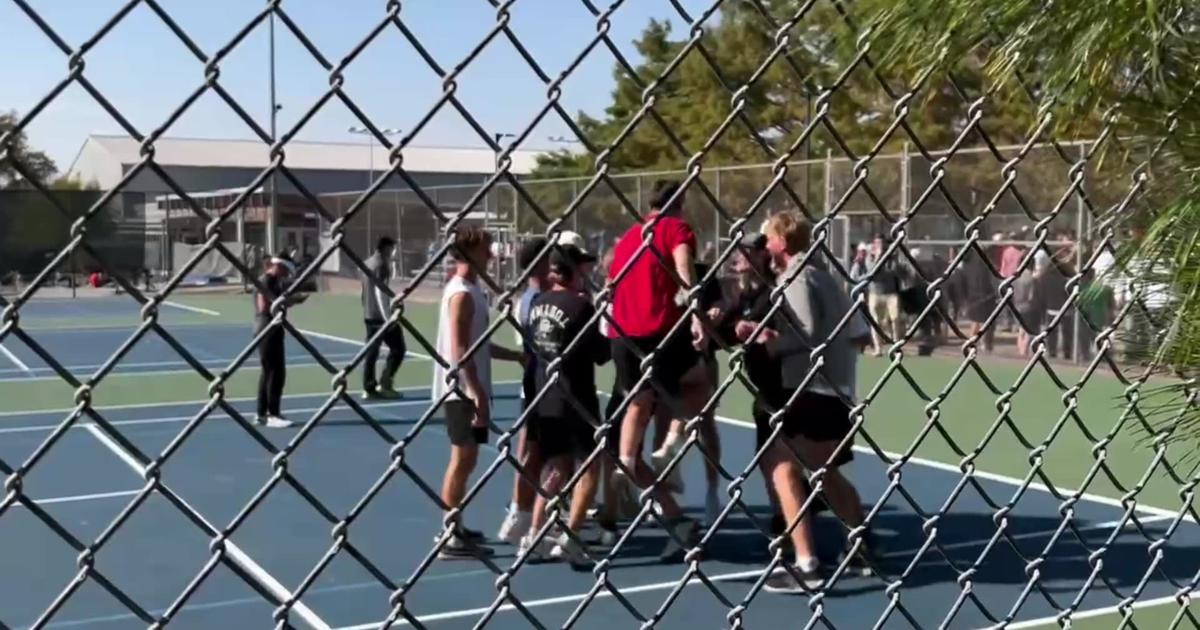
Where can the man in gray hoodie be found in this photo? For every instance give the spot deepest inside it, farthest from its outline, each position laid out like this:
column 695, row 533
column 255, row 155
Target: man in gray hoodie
column 375, row 315
column 816, row 422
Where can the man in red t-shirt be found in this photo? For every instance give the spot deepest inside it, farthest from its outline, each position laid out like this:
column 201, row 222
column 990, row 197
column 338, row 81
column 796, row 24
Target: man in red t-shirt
column 645, row 313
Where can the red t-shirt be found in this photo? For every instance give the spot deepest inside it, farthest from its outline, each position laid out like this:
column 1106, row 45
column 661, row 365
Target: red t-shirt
column 644, row 299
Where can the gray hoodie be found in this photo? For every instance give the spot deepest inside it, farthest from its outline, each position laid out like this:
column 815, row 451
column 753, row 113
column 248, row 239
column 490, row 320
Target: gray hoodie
column 816, row 304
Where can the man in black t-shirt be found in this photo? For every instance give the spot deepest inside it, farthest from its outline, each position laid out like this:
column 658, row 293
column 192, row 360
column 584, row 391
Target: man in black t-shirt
column 566, row 335
column 270, row 348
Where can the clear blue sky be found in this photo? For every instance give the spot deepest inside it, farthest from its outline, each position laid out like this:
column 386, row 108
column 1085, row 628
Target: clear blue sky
column 146, row 72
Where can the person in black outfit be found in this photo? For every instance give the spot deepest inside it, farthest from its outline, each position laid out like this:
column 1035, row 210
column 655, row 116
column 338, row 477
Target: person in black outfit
column 375, row 314
column 271, row 348
column 562, row 327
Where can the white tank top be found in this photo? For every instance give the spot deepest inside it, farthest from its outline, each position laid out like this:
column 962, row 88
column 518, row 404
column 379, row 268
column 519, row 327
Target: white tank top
column 479, row 325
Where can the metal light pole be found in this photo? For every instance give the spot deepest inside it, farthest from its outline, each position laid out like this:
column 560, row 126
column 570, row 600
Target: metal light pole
column 363, row 131
column 498, row 137
column 273, row 210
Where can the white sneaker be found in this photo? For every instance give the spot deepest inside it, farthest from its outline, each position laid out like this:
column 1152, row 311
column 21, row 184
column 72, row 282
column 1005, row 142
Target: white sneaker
column 712, row 506
column 277, row 422
column 515, row 526
column 663, row 456
column 568, row 550
column 687, row 531
column 539, row 552
column 608, row 537
column 782, row 581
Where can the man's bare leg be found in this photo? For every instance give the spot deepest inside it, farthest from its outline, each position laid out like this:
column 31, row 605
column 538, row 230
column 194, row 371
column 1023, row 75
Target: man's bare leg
column 458, row 471
column 519, row 516
column 785, row 476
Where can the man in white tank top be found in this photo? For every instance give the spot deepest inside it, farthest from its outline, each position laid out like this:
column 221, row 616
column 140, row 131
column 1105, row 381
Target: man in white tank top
column 462, row 321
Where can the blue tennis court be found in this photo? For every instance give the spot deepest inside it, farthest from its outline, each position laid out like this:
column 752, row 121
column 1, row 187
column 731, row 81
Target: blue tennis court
column 86, row 481
column 82, row 334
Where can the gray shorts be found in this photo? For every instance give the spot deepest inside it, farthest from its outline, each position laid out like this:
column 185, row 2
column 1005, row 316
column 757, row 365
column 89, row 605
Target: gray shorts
column 459, row 414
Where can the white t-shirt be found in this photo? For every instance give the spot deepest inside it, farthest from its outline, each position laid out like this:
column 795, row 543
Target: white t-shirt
column 479, row 325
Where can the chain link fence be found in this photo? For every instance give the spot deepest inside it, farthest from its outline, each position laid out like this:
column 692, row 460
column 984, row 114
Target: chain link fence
column 1048, row 195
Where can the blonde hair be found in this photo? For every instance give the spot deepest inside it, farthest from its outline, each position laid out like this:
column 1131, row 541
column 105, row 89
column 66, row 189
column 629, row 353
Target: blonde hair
column 794, row 229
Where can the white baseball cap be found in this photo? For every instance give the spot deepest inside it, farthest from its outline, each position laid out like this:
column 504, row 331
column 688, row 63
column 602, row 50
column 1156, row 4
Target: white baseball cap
column 567, row 237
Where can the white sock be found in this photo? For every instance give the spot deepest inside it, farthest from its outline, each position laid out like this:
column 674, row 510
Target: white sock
column 806, row 564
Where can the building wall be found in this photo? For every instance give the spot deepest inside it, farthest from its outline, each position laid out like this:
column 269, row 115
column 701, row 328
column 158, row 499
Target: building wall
column 201, row 179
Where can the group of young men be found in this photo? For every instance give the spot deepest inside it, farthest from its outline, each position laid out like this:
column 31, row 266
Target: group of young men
column 664, row 355
column 802, row 423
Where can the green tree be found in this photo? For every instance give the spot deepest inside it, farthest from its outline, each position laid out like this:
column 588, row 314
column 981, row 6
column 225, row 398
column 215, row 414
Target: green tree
column 822, row 54
column 36, row 163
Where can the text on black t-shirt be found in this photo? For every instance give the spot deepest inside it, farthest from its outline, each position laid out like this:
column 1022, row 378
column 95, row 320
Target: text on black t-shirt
column 556, row 319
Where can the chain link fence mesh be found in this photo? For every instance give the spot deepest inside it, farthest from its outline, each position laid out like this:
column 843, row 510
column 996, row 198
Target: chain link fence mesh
column 1051, row 194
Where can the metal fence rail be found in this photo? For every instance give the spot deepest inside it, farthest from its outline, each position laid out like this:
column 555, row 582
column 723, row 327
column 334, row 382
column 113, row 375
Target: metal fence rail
column 854, row 185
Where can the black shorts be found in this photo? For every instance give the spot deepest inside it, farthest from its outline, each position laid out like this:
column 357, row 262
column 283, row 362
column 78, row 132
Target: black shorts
column 815, row 417
column 669, row 364
column 558, row 436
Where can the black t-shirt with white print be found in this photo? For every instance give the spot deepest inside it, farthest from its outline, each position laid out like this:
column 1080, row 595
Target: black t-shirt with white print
column 555, row 320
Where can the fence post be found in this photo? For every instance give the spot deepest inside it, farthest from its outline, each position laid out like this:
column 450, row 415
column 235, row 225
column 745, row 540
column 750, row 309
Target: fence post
column 516, row 201
column 905, row 179
column 640, row 205
column 828, row 181
column 717, row 216
column 399, row 237
column 1080, row 226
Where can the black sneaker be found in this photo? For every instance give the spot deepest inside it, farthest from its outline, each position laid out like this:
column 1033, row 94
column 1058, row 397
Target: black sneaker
column 784, row 582
column 473, row 535
column 459, row 548
column 864, row 562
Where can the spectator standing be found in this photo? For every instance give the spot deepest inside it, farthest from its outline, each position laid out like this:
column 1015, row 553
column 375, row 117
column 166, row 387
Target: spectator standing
column 886, row 276
column 1052, row 285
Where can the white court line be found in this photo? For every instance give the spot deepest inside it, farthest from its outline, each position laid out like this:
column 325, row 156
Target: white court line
column 236, row 554
column 1090, row 613
column 179, row 419
column 208, row 363
column 722, row 577
column 78, row 498
column 243, row 601
column 194, row 309
column 15, row 359
column 1005, row 479
column 357, row 344
column 175, row 403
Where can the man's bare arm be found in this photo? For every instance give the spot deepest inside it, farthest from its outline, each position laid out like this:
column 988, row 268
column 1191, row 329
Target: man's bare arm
column 685, row 265
column 461, row 312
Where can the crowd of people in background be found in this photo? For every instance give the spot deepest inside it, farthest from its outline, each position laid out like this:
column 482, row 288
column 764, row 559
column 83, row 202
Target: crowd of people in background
column 898, row 281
